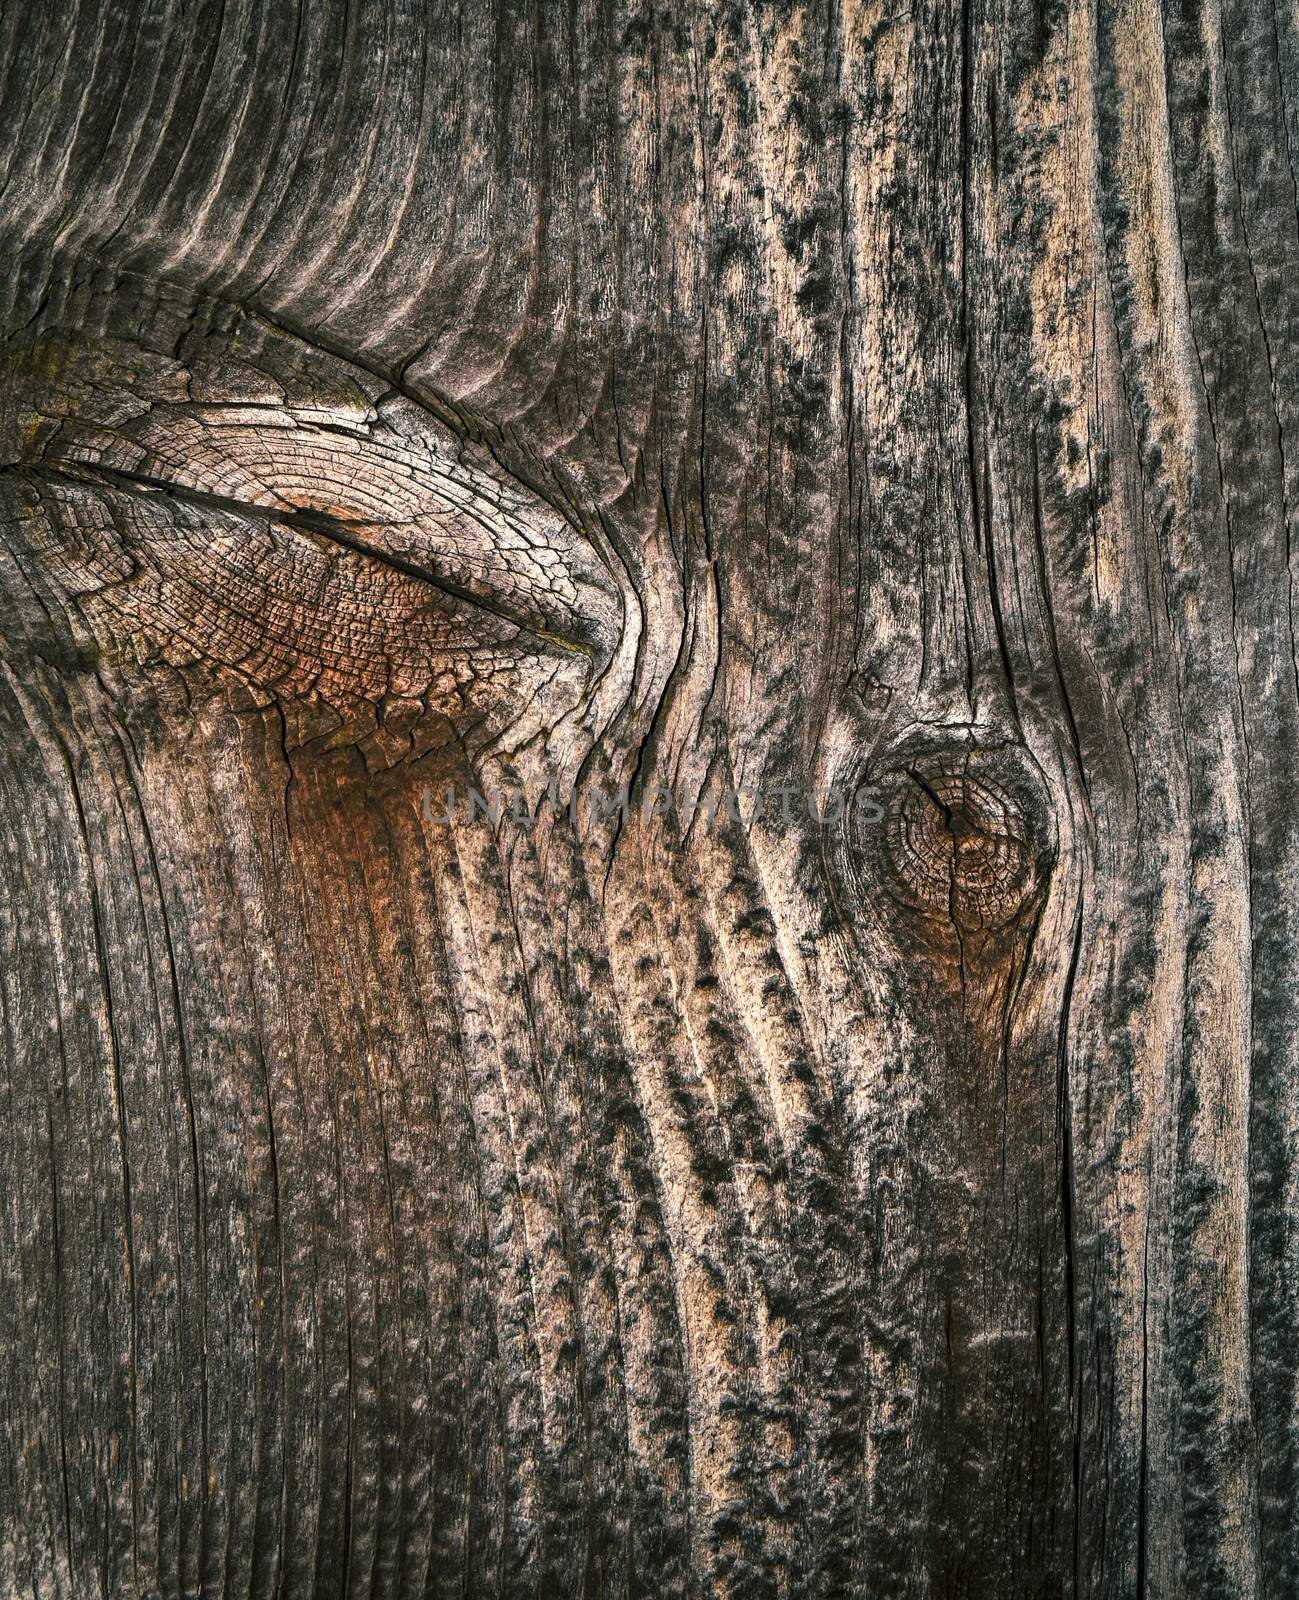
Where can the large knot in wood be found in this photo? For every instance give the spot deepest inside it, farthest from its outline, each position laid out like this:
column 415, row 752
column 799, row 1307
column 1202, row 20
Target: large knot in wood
column 964, row 835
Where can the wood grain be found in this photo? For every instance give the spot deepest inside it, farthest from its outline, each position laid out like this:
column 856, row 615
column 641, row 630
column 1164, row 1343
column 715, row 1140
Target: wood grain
column 664, row 1199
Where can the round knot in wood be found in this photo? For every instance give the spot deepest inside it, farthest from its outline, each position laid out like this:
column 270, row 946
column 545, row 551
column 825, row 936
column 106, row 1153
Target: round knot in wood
column 962, row 837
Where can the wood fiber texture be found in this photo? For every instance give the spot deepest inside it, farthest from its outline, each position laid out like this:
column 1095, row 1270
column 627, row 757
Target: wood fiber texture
column 690, row 1197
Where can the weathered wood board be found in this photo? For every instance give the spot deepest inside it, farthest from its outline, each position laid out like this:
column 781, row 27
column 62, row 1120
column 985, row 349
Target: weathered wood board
column 837, row 1134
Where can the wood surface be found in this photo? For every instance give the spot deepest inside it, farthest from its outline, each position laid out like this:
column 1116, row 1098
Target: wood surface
column 683, row 1197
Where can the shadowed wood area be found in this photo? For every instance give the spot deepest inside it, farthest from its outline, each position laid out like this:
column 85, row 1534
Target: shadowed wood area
column 832, row 1128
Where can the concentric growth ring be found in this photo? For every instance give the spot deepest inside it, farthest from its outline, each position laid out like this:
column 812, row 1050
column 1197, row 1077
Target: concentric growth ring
column 958, row 842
